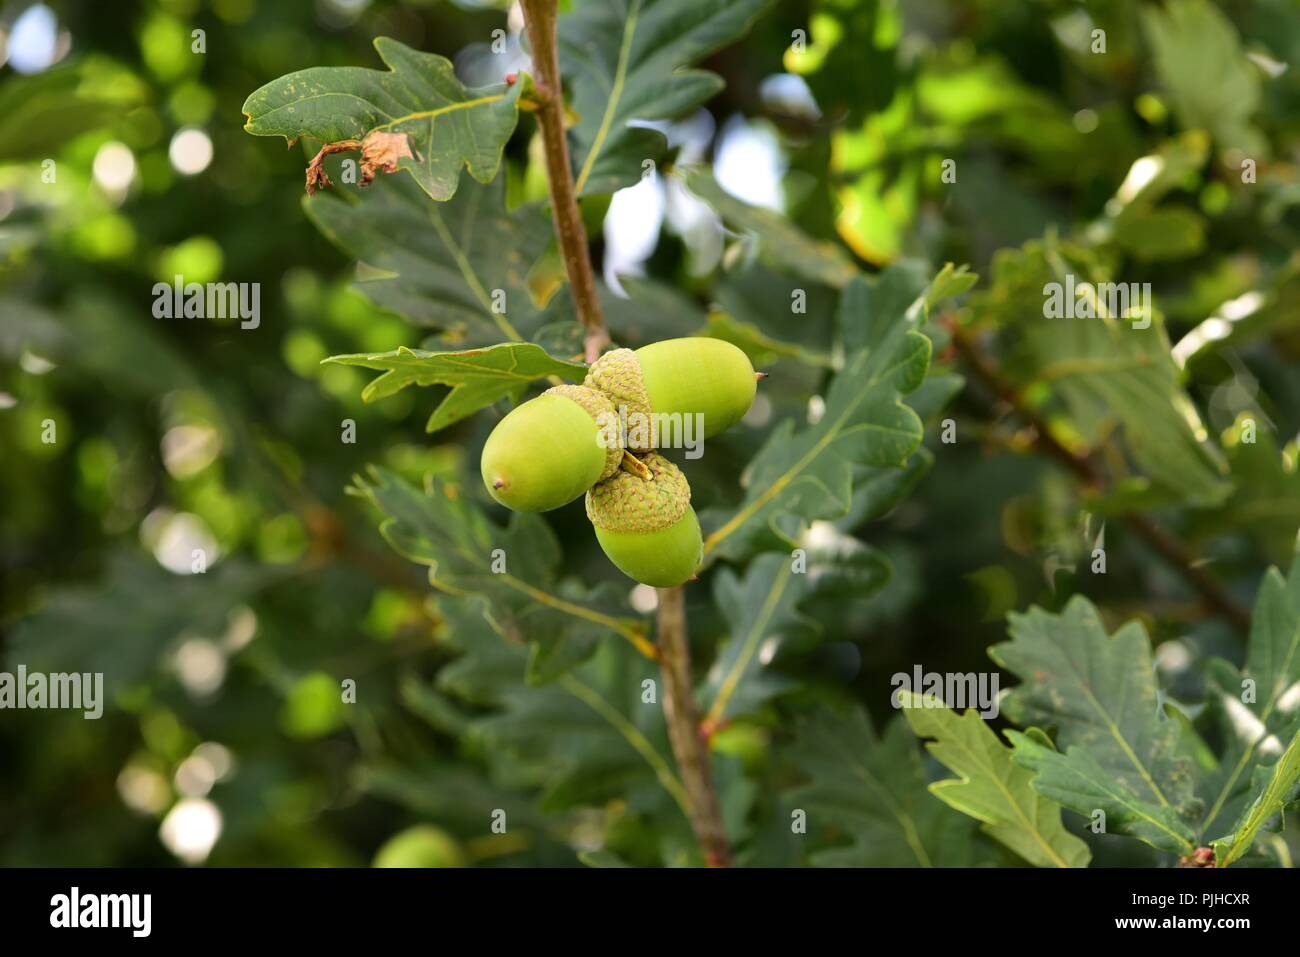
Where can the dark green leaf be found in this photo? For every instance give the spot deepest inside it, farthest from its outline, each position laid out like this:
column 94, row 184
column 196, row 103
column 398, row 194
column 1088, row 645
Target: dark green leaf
column 448, row 126
column 625, row 62
column 460, row 266
column 478, row 377
column 781, row 244
column 873, row 792
column 1121, row 754
column 989, row 787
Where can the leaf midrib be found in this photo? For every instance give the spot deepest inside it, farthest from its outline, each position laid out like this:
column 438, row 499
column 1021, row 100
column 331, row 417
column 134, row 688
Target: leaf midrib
column 985, row 762
column 615, row 95
column 779, row 485
column 737, row 669
column 1265, row 714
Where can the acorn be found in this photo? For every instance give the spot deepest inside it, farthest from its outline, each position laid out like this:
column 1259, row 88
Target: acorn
column 646, row 525
column 420, row 846
column 693, row 375
column 549, row 450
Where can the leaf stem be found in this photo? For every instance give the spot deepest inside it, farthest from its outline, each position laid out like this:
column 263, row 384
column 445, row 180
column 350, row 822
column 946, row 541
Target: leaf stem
column 1171, row 548
column 540, row 19
column 689, row 746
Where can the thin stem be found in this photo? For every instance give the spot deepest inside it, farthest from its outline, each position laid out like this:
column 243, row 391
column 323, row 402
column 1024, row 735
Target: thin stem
column 540, row 19
column 1171, row 548
column 689, row 746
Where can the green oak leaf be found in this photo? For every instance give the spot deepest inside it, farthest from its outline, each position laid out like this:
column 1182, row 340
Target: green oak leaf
column 761, row 348
column 460, row 267
column 873, row 791
column 1078, row 781
column 583, row 738
column 990, row 787
column 1099, row 692
column 1111, row 377
column 626, row 62
column 1272, row 789
column 1192, row 40
column 951, row 281
column 514, row 566
column 478, row 377
column 1254, row 709
column 799, row 477
column 41, row 112
column 762, row 612
column 1265, row 500
column 448, row 126
column 780, row 243
column 766, row 625
column 122, row 625
column 467, row 267
column 868, row 307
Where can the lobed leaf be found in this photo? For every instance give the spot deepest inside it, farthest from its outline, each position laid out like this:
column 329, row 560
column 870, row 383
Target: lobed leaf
column 990, row 787
column 1108, row 374
column 478, row 377
column 1121, row 754
column 515, row 566
column 447, row 125
column 1273, row 788
column 797, row 478
column 1077, row 780
column 625, row 63
column 873, row 790
column 460, row 267
column 1256, row 709
column 781, row 242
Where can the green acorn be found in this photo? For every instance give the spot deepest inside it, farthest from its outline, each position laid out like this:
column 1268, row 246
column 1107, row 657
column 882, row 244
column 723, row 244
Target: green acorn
column 646, row 525
column 694, row 375
column 420, row 846
column 549, row 450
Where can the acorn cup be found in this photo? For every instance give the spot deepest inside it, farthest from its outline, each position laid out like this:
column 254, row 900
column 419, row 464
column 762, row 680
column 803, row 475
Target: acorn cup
column 548, row 451
column 676, row 377
column 646, row 526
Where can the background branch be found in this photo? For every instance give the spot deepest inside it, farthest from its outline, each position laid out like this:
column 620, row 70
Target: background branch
column 1171, row 548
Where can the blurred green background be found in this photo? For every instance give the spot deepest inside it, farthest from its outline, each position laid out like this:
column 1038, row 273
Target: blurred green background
column 123, row 163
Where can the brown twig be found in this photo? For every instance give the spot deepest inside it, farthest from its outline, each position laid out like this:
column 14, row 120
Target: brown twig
column 1171, row 548
column 689, row 746
column 689, row 749
column 540, row 19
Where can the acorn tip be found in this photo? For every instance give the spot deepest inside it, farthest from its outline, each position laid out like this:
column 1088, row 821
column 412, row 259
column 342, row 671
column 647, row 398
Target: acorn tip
column 498, row 483
column 760, row 376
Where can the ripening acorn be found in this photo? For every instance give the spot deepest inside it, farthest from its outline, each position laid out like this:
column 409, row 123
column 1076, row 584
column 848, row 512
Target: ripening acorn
column 548, row 451
column 646, row 525
column 676, row 377
column 420, row 846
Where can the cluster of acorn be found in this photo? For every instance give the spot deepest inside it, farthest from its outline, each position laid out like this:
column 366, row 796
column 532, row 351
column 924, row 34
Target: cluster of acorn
column 551, row 449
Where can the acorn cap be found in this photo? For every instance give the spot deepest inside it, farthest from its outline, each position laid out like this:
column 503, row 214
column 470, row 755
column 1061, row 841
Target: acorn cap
column 627, row 503
column 602, row 410
column 618, row 375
